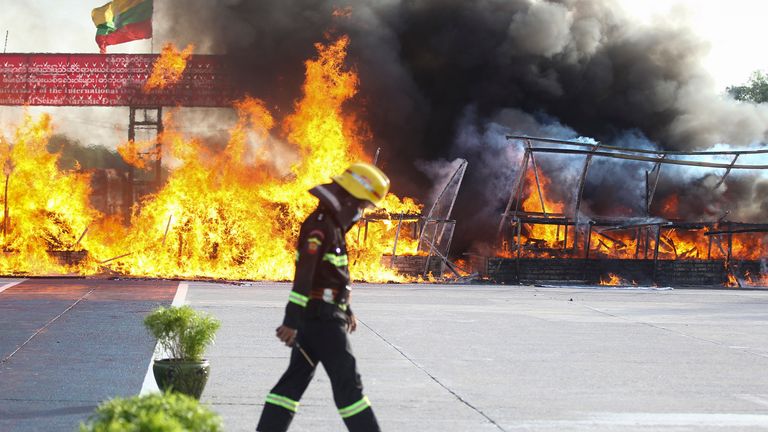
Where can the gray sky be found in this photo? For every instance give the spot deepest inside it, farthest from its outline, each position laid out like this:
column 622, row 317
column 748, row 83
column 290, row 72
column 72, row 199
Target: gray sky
column 737, row 32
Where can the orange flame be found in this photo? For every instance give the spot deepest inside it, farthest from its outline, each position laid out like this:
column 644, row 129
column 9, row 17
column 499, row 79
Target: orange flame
column 134, row 152
column 168, row 68
column 540, row 240
column 231, row 214
column 540, row 235
column 760, row 280
column 47, row 208
column 612, row 280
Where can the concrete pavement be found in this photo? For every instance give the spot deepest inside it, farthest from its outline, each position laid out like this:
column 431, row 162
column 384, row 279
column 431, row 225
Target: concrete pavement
column 493, row 358
column 432, row 357
column 68, row 344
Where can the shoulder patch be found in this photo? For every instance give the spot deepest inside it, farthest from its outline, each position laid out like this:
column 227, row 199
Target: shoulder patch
column 314, row 240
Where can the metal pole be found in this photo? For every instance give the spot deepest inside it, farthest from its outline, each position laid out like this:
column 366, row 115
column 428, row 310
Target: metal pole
column 652, row 192
column 727, row 171
column 131, row 173
column 565, row 237
column 6, row 42
column 647, row 241
column 81, row 237
column 515, row 195
column 588, row 241
column 519, row 247
column 376, row 157
column 5, row 210
column 538, row 185
column 730, row 247
column 637, row 243
column 397, row 235
column 168, row 225
column 656, row 252
column 159, row 147
column 582, row 183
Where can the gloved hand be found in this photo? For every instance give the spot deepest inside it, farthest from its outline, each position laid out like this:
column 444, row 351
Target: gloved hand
column 351, row 323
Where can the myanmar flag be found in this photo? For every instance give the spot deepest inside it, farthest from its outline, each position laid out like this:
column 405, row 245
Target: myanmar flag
column 122, row 21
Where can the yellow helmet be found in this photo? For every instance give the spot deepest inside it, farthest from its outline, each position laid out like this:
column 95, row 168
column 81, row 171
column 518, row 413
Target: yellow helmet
column 364, row 181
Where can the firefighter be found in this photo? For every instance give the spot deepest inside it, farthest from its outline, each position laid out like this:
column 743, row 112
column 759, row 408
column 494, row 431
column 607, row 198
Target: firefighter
column 318, row 314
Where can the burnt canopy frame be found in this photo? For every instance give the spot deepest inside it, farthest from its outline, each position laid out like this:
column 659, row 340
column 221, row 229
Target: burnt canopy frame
column 715, row 229
column 593, row 149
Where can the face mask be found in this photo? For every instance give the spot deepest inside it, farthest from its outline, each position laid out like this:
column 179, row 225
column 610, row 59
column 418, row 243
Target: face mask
column 357, row 215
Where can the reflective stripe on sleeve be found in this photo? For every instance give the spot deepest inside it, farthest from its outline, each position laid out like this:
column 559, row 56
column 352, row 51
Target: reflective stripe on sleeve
column 337, row 260
column 355, row 408
column 282, row 401
column 297, row 298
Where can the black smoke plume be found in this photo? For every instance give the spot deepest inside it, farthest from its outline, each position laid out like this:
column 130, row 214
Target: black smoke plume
column 448, row 78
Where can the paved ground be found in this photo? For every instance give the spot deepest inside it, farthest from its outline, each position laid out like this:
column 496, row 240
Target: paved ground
column 66, row 345
column 433, row 358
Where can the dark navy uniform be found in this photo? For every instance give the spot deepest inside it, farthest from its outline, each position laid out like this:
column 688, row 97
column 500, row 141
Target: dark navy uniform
column 319, row 308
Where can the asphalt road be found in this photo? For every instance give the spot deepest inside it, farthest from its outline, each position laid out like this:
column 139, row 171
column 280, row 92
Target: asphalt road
column 432, row 357
column 494, row 358
column 68, row 344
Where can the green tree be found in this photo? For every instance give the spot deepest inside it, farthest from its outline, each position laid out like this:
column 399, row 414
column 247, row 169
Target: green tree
column 755, row 90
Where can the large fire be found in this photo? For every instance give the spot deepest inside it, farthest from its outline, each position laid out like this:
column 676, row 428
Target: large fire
column 44, row 209
column 542, row 240
column 232, row 214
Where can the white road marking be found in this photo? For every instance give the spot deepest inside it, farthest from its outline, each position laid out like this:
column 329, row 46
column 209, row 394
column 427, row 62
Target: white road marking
column 149, row 385
column 181, row 294
column 10, row 284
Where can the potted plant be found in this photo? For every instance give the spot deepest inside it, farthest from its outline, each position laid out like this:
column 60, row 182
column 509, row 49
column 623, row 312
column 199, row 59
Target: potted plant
column 167, row 412
column 183, row 334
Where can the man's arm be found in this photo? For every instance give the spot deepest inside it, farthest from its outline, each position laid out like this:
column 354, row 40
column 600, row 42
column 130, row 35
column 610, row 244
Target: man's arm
column 310, row 250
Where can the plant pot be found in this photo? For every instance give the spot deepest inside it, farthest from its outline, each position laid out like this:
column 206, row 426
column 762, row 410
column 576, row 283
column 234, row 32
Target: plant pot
column 187, row 377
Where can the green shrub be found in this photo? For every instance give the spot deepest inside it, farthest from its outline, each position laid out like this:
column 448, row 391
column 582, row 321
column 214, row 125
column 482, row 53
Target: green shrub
column 169, row 412
column 182, row 332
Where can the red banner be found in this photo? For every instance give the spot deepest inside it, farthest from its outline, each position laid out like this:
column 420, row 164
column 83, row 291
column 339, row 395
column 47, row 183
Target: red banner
column 108, row 80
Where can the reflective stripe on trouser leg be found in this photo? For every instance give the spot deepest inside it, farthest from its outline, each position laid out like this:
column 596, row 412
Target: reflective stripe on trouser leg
column 355, row 408
column 282, row 401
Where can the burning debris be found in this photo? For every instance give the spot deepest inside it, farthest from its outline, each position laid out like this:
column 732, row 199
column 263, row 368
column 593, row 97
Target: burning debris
column 534, row 226
column 222, row 214
column 442, row 79
column 45, row 209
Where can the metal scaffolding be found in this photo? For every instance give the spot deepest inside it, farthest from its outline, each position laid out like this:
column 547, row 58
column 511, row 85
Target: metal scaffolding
column 147, row 120
column 434, row 229
column 648, row 231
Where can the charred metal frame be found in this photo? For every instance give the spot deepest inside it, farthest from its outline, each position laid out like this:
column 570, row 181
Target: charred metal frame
column 647, row 230
column 151, row 119
column 434, row 229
